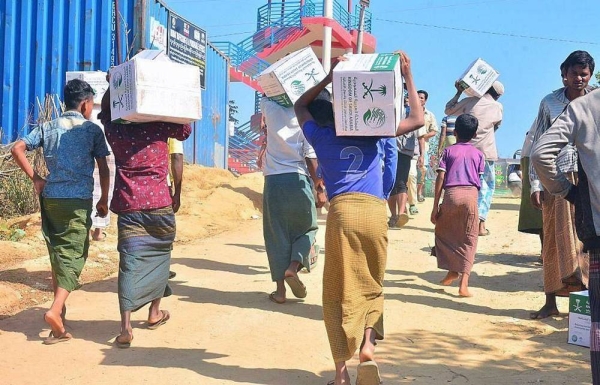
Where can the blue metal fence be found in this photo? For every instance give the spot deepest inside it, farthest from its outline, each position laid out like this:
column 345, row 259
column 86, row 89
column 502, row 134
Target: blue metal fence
column 42, row 39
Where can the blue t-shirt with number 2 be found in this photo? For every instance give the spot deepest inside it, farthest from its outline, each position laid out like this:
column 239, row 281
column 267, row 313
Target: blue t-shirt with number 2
column 349, row 163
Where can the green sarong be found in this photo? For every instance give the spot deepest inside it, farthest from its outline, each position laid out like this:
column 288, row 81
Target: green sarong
column 530, row 218
column 289, row 221
column 66, row 224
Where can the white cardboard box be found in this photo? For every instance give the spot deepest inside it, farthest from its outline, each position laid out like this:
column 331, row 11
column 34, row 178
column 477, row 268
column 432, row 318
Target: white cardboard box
column 580, row 319
column 96, row 79
column 148, row 90
column 287, row 79
column 368, row 95
column 478, row 78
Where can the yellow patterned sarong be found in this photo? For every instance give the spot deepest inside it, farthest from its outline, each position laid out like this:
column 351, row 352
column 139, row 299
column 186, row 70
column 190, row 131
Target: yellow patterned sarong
column 355, row 259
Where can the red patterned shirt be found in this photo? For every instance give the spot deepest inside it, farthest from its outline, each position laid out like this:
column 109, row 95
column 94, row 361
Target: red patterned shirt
column 142, row 162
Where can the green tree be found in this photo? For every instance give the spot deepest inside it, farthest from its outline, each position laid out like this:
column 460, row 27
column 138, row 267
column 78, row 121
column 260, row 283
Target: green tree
column 598, row 77
column 233, row 111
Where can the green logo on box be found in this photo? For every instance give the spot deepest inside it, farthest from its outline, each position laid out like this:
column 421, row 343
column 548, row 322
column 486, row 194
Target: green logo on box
column 374, row 117
column 382, row 90
column 297, row 87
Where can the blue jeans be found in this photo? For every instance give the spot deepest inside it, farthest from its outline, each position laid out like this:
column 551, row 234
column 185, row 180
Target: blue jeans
column 488, row 185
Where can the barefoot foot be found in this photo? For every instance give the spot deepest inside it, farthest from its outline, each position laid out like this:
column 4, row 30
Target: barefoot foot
column 449, row 278
column 464, row 293
column 545, row 312
column 55, row 323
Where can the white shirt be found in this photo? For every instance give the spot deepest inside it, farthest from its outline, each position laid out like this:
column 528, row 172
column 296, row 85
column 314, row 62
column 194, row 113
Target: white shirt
column 286, row 146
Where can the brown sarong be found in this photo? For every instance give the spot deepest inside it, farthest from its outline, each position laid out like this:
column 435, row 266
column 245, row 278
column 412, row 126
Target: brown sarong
column 457, row 229
column 356, row 254
column 562, row 252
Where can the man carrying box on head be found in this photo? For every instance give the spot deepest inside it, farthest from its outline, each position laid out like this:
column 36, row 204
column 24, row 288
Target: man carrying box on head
column 356, row 238
column 488, row 112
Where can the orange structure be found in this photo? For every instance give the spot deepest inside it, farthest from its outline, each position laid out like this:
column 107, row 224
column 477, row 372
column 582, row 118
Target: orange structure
column 283, row 27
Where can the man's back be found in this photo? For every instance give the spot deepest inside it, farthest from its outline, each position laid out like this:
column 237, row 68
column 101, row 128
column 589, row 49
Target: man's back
column 489, row 113
column 286, row 146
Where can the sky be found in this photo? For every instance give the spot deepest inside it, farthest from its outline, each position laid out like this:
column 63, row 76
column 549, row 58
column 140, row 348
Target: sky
column 524, row 40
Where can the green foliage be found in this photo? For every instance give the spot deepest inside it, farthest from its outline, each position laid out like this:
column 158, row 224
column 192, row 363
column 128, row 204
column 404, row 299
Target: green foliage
column 598, row 77
column 16, row 195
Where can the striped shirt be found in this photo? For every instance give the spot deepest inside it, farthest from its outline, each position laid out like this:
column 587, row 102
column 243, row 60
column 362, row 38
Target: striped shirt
column 551, row 107
column 448, row 122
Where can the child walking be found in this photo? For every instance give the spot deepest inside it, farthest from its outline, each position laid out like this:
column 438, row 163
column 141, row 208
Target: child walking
column 71, row 145
column 456, row 220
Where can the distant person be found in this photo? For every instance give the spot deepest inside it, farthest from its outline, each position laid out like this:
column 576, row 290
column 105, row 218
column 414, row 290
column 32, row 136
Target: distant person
column 71, row 143
column 565, row 264
column 488, row 112
column 146, row 221
column 356, row 237
column 456, row 220
column 290, row 171
column 399, row 195
column 431, row 129
column 416, row 162
column 514, row 180
column 578, row 126
column 447, row 137
column 175, row 177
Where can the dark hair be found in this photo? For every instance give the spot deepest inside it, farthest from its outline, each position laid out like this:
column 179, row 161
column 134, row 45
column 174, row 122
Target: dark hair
column 324, row 95
column 75, row 92
column 466, row 126
column 424, row 93
column 582, row 58
column 322, row 112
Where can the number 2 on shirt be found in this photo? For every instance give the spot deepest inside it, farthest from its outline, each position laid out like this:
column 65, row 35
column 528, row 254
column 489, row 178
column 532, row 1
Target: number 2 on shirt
column 357, row 154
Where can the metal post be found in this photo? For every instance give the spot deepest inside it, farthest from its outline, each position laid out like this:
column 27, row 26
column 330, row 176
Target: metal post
column 361, row 27
column 327, row 13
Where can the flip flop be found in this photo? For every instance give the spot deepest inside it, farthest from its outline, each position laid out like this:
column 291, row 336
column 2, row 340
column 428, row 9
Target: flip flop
column 402, row 220
column 487, row 232
column 165, row 317
column 51, row 340
column 298, row 288
column 277, row 301
column 123, row 345
column 368, row 374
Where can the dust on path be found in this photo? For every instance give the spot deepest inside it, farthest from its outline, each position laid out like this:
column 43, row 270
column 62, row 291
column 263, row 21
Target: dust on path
column 224, row 330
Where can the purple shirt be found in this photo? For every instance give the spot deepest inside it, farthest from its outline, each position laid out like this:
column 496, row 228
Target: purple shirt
column 463, row 164
column 348, row 163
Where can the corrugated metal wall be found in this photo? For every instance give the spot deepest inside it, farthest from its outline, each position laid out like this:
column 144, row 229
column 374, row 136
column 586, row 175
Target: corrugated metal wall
column 208, row 144
column 42, row 39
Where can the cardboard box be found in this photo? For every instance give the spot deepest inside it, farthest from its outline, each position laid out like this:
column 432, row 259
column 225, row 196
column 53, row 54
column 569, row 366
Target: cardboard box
column 96, row 79
column 478, row 78
column 149, row 88
column 368, row 95
column 580, row 319
column 287, row 79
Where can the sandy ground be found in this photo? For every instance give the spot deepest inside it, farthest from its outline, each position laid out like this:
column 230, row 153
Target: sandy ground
column 224, row 330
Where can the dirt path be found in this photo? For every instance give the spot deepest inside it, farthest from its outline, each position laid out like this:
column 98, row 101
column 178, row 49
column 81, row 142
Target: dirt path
column 224, row 330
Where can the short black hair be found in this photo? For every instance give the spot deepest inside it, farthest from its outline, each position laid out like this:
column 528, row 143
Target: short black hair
column 324, row 95
column 322, row 112
column 424, row 93
column 75, row 92
column 466, row 126
column 582, row 58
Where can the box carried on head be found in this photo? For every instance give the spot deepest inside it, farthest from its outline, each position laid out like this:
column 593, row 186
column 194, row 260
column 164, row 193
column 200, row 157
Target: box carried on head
column 478, row 78
column 368, row 92
column 287, row 79
column 150, row 88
